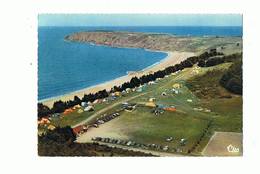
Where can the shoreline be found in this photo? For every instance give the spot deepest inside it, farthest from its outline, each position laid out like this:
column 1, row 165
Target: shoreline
column 171, row 59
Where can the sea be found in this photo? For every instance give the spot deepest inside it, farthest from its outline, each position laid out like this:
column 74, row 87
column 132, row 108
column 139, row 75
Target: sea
column 64, row 67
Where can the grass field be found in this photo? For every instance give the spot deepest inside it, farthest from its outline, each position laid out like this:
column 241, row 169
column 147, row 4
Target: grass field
column 198, row 85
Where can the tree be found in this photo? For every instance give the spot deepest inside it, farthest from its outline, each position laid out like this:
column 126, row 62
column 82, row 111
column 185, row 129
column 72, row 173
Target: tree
column 43, row 110
column 232, row 79
column 59, row 107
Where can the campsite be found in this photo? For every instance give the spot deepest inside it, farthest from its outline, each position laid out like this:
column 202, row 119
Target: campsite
column 149, row 118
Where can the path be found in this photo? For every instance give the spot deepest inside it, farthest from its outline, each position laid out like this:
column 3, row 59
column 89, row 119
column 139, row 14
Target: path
column 106, row 109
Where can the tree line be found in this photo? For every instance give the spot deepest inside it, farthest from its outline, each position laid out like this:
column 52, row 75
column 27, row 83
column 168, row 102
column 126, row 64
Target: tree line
column 60, row 106
column 232, row 79
column 215, row 60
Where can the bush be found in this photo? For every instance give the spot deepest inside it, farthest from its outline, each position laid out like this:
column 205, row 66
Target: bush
column 232, row 79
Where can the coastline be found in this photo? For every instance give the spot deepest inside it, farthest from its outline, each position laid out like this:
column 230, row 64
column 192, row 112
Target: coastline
column 171, row 59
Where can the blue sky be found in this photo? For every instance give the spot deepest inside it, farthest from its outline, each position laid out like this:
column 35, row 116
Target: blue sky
column 140, row 20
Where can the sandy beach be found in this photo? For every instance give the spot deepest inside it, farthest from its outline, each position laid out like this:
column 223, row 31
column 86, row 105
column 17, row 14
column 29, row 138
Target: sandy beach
column 172, row 59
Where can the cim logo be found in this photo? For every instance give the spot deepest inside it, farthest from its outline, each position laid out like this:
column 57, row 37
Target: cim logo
column 232, row 149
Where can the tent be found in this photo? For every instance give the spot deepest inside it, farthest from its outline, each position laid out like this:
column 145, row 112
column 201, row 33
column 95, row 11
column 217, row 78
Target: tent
column 151, row 83
column 139, row 89
column 51, row 127
column 89, row 108
column 84, row 104
column 97, row 101
column 76, row 107
column 171, row 109
column 117, row 93
column 80, row 111
column 189, row 100
column 175, row 91
column 67, row 111
column 176, row 85
column 150, row 104
column 151, row 99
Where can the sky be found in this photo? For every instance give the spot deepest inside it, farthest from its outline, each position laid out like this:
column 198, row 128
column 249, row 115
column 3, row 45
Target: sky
column 140, row 20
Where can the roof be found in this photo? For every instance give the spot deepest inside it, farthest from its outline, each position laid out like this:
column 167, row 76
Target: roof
column 170, row 109
column 77, row 129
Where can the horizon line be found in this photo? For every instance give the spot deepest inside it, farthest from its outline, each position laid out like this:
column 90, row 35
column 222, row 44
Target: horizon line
column 140, row 25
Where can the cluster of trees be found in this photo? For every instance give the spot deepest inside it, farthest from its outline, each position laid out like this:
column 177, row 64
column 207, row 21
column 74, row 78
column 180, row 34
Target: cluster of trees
column 232, row 79
column 60, row 106
column 60, row 142
column 212, row 61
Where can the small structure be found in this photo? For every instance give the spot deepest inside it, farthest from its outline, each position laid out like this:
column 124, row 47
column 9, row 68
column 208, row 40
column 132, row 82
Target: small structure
column 78, row 130
column 95, row 125
column 151, row 99
column 67, row 111
column 51, row 127
column 198, row 109
column 171, row 109
column 125, row 104
column 139, row 89
column 189, row 100
column 130, row 107
column 175, row 91
column 80, row 111
column 55, row 115
column 76, row 107
column 89, row 108
column 183, row 142
column 151, row 83
column 165, row 148
column 129, row 143
column 150, row 104
column 84, row 104
column 169, row 139
column 207, row 110
column 163, row 94
column 161, row 106
column 176, row 85
column 128, row 90
column 158, row 111
column 44, row 120
column 117, row 93
column 97, row 101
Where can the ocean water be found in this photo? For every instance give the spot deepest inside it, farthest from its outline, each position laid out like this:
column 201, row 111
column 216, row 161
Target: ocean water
column 64, row 67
